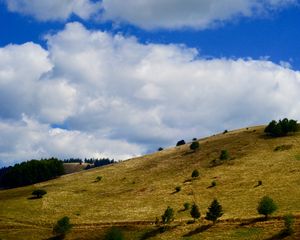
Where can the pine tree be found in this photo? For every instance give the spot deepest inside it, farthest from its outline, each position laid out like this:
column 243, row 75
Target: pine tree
column 168, row 215
column 214, row 211
column 195, row 213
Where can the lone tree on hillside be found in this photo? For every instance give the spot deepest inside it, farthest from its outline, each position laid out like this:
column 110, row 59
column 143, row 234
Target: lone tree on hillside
column 224, row 155
column 282, row 127
column 62, row 227
column 39, row 193
column 195, row 173
column 195, row 212
column 214, row 211
column 266, row 206
column 168, row 215
column 179, row 143
column 194, row 145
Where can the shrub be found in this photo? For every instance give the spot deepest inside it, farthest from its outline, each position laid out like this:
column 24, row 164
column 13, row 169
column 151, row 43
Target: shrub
column 181, row 142
column 259, row 182
column 177, row 188
column 214, row 211
column 114, row 234
column 195, row 212
column 98, row 178
column 62, row 227
column 186, row 206
column 39, row 193
column 225, row 131
column 194, row 145
column 282, row 127
column 195, row 173
column 168, row 215
column 160, row 149
column 213, row 183
column 288, row 224
column 266, row 206
column 224, row 155
column 194, row 139
column 283, row 147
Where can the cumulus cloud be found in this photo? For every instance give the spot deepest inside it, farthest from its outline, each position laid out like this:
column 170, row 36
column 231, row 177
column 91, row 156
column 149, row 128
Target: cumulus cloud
column 168, row 14
column 54, row 9
column 28, row 139
column 114, row 96
column 176, row 14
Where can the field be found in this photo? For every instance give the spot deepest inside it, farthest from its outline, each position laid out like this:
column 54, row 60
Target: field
column 133, row 193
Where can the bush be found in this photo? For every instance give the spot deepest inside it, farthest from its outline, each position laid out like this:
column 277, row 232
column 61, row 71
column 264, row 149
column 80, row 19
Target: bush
column 195, row 173
column 266, row 206
column 194, row 139
column 282, row 127
column 194, row 145
column 225, row 131
column 181, row 142
column 177, row 188
column 186, row 206
column 39, row 193
column 213, row 183
column 288, row 224
column 168, row 215
column 224, row 155
column 195, row 212
column 62, row 227
column 214, row 211
column 98, row 178
column 114, row 234
column 160, row 149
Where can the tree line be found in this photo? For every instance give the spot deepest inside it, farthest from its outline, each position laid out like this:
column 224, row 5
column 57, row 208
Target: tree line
column 31, row 172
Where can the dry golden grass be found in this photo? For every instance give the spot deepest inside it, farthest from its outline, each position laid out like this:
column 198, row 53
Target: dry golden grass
column 140, row 189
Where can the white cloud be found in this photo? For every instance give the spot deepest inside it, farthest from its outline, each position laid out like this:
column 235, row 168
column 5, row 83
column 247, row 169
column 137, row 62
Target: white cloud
column 27, row 139
column 168, row 14
column 54, row 9
column 118, row 97
column 176, row 14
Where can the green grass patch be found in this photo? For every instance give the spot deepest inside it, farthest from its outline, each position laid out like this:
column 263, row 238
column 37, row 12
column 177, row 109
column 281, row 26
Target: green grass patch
column 247, row 233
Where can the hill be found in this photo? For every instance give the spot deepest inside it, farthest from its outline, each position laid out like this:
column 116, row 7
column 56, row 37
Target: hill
column 133, row 193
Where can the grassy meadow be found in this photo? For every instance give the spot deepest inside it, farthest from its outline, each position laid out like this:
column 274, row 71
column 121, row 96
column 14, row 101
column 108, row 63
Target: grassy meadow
column 133, row 193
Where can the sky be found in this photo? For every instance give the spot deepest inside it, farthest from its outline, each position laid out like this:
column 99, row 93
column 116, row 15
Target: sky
column 118, row 79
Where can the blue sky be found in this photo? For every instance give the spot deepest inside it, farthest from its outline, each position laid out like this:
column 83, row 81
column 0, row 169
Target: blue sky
column 109, row 79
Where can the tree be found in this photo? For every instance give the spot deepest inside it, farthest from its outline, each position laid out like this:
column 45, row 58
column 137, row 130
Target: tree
column 160, row 149
column 186, row 206
column 195, row 173
column 194, row 145
column 224, row 155
column 168, row 215
column 214, row 211
column 39, row 193
column 62, row 227
column 266, row 206
column 195, row 212
column 282, row 127
column 114, row 234
column 288, row 225
column 179, row 143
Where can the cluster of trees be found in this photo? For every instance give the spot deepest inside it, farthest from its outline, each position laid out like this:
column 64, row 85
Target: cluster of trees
column 95, row 161
column 282, row 127
column 31, row 172
column 214, row 212
column 98, row 162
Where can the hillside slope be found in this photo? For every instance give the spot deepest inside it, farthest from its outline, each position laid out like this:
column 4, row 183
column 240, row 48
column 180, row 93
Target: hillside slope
column 140, row 189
